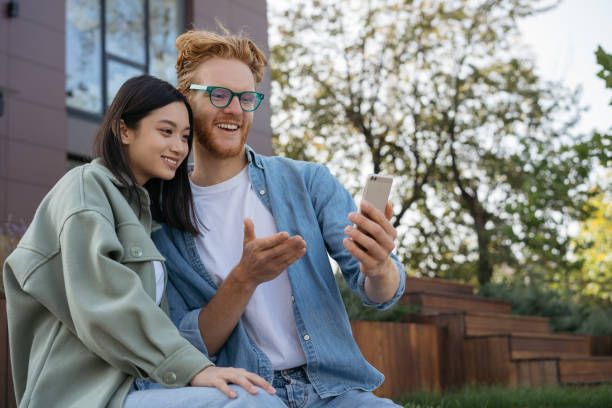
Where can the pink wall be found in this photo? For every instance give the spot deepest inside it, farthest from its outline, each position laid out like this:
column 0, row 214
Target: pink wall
column 36, row 133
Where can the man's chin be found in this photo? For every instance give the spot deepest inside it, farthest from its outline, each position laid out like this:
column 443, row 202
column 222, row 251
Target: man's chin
column 225, row 152
column 219, row 147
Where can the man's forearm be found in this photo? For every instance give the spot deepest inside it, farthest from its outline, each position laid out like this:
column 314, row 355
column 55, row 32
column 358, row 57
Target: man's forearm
column 382, row 287
column 217, row 320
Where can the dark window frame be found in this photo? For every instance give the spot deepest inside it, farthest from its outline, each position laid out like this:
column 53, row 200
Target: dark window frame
column 106, row 56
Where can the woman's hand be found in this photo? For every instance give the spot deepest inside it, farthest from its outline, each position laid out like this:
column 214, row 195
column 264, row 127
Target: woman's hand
column 220, row 377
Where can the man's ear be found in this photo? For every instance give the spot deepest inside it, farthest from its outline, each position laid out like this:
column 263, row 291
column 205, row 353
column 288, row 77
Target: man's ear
column 125, row 133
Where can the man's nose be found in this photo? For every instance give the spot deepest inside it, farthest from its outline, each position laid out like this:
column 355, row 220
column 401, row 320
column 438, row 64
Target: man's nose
column 234, row 105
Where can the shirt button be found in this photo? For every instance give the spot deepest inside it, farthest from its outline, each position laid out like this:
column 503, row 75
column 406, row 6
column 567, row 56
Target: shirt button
column 262, row 192
column 136, row 251
column 306, row 337
column 169, row 377
column 292, row 299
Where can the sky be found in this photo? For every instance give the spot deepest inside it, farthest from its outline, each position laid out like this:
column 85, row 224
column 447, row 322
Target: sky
column 563, row 42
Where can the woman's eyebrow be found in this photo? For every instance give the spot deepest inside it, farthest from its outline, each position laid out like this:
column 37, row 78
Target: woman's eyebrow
column 168, row 121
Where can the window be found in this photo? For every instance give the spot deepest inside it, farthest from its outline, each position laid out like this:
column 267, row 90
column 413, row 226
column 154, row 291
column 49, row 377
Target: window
column 109, row 41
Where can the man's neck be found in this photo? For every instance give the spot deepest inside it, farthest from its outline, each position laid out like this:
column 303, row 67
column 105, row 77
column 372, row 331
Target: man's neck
column 210, row 170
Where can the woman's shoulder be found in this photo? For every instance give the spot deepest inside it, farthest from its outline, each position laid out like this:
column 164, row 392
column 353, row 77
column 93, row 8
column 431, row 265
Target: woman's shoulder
column 65, row 199
column 86, row 187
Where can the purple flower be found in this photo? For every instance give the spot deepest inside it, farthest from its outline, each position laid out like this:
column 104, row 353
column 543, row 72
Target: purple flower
column 11, row 232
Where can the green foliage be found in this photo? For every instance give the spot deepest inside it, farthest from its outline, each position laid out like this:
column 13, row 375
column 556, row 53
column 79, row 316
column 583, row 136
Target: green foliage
column 605, row 60
column 593, row 245
column 495, row 397
column 593, row 248
column 357, row 311
column 579, row 315
column 488, row 172
column 604, row 140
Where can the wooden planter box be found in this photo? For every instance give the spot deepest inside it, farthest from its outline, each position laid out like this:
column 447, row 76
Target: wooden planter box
column 601, row 345
column 406, row 353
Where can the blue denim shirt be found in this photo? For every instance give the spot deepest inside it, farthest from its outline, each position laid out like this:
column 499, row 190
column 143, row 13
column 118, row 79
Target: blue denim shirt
column 306, row 200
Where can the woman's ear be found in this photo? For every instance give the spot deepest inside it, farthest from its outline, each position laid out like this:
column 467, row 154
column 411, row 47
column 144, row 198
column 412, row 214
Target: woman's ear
column 125, row 133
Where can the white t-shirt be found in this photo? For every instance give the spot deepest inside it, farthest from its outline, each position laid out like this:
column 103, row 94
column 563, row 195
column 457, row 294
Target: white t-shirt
column 159, row 281
column 268, row 318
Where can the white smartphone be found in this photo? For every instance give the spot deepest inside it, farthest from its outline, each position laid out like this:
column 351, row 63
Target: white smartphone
column 377, row 190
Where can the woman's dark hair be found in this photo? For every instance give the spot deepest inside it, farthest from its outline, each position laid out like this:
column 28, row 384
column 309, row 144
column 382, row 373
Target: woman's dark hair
column 171, row 200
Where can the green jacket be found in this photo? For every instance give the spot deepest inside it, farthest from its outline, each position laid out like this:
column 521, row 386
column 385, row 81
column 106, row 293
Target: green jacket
column 80, row 290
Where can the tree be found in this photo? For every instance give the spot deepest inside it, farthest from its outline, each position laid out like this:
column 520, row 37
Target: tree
column 487, row 173
column 593, row 246
column 604, row 140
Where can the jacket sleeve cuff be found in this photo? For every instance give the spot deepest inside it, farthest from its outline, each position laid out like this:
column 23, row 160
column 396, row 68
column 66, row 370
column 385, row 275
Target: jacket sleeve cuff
column 190, row 330
column 180, row 368
column 400, row 289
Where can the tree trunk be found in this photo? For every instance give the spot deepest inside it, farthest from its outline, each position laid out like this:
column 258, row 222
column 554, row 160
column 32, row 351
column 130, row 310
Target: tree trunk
column 485, row 269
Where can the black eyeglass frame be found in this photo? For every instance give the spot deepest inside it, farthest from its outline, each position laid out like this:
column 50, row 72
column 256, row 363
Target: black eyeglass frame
column 206, row 88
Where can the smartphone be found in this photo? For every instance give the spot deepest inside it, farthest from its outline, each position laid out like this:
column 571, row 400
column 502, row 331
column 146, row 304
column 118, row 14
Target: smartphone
column 377, row 190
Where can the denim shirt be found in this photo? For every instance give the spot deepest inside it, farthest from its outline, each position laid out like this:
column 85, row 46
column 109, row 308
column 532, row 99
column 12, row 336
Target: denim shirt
column 306, row 200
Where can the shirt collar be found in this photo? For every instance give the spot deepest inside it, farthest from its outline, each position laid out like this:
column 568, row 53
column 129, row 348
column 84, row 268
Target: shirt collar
column 253, row 158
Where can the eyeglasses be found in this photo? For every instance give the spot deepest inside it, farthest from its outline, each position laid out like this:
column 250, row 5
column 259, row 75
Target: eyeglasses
column 221, row 97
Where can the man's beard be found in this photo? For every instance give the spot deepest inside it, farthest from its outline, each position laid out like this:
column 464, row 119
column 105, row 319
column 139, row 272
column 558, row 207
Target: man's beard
column 213, row 146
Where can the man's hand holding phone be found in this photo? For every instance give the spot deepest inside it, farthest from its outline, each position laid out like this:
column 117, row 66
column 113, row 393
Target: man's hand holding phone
column 372, row 239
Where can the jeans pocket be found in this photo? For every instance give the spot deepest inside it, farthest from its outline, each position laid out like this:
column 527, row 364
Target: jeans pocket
column 297, row 394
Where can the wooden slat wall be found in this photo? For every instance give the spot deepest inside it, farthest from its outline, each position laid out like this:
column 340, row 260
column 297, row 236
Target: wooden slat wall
column 439, row 285
column 587, row 370
column 601, row 345
column 406, row 353
column 442, row 302
column 536, row 373
column 451, row 335
column 487, row 360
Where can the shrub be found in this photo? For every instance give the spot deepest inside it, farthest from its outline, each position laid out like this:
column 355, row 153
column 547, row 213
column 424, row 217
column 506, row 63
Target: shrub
column 566, row 314
column 357, row 311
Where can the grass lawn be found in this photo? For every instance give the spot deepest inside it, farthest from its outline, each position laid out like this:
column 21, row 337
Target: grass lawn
column 481, row 397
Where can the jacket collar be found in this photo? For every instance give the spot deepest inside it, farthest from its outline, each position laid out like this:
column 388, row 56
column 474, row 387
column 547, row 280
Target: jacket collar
column 142, row 192
column 253, row 158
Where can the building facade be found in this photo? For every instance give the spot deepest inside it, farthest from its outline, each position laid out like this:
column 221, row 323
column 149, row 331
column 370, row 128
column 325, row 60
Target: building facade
column 61, row 61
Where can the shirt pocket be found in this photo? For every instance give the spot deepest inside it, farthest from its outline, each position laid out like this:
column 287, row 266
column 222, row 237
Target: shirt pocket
column 137, row 244
column 139, row 252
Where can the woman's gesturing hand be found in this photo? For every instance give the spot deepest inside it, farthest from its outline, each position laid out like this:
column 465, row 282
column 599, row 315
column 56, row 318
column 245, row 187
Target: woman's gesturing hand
column 221, row 377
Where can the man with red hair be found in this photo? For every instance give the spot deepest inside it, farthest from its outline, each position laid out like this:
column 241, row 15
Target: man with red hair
column 255, row 289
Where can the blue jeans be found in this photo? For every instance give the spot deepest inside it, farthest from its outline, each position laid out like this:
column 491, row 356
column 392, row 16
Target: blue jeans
column 296, row 391
column 293, row 390
column 155, row 396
